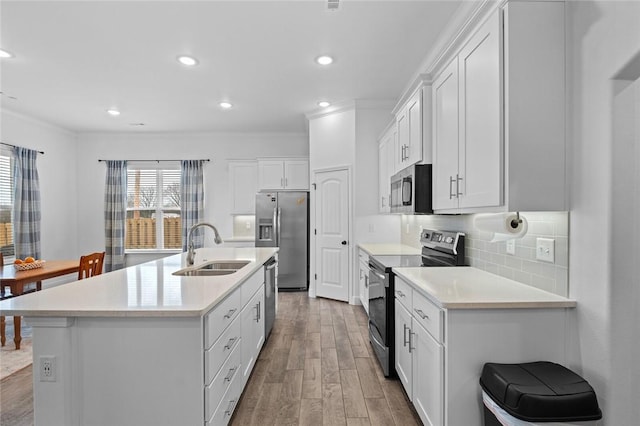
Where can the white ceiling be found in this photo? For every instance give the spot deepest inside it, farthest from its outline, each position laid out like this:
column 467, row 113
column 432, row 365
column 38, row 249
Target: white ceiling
column 75, row 59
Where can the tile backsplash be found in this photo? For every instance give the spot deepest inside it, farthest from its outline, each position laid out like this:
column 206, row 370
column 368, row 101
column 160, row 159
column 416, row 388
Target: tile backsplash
column 492, row 256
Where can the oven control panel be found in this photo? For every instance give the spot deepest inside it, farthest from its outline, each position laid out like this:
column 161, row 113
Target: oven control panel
column 447, row 240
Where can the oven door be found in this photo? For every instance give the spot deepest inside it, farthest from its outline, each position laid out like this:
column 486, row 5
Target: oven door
column 378, row 311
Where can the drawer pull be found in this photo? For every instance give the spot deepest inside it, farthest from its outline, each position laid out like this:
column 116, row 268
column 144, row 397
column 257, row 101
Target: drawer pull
column 230, row 375
column 400, row 293
column 422, row 314
column 230, row 407
column 230, row 313
column 230, row 343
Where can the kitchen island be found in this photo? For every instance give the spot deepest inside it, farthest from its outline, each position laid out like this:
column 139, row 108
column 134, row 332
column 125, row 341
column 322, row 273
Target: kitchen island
column 143, row 346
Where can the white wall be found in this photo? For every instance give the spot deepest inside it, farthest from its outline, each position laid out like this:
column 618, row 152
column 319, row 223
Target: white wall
column 603, row 271
column 58, row 190
column 171, row 146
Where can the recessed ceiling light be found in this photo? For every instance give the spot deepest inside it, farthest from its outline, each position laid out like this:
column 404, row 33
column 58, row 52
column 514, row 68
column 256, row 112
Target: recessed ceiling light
column 114, row 112
column 187, row 60
column 225, row 105
column 5, row 54
column 323, row 104
column 324, row 60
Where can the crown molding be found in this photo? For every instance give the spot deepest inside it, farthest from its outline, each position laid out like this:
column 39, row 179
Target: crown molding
column 355, row 104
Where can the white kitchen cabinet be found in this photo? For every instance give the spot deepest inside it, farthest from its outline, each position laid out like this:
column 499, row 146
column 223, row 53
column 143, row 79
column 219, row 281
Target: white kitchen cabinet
column 445, row 137
column 498, row 115
column 363, row 274
column 419, row 357
column 403, row 356
column 252, row 318
column 243, row 180
column 409, row 131
column 386, row 167
column 283, row 174
column 467, row 122
column 439, row 352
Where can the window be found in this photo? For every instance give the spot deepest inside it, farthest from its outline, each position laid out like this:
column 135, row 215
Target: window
column 153, row 207
column 6, row 204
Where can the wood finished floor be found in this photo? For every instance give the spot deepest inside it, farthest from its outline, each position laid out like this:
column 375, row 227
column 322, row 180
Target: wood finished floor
column 316, row 369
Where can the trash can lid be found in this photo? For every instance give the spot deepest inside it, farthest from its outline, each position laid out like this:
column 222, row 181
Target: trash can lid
column 540, row 392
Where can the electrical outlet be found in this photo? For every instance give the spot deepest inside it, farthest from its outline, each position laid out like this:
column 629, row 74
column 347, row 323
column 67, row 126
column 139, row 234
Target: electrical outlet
column 545, row 249
column 511, row 247
column 48, row 368
column 248, row 225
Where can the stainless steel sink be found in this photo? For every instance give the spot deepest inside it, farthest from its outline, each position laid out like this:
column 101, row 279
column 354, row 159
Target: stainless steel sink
column 225, row 264
column 217, row 267
column 204, row 272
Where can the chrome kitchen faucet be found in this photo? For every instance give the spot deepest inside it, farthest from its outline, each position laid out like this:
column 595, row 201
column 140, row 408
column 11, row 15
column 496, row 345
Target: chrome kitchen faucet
column 191, row 250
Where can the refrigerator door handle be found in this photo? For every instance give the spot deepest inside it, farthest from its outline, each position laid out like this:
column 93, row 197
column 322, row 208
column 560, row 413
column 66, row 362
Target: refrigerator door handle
column 275, row 227
column 279, row 214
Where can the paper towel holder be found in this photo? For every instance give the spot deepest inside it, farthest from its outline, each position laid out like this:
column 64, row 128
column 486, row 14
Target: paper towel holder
column 517, row 221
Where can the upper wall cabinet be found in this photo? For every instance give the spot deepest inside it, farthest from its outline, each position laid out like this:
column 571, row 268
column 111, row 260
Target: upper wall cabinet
column 409, row 128
column 243, row 179
column 386, row 167
column 498, row 115
column 283, row 174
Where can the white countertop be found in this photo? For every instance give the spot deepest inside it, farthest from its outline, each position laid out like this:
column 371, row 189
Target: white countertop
column 381, row 249
column 472, row 288
column 146, row 290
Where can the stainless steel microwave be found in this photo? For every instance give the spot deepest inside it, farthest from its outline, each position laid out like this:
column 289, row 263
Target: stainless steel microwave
column 411, row 190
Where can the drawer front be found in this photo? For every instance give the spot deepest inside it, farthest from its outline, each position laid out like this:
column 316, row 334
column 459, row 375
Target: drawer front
column 220, row 317
column 404, row 294
column 251, row 285
column 214, row 392
column 428, row 315
column 215, row 356
column 228, row 402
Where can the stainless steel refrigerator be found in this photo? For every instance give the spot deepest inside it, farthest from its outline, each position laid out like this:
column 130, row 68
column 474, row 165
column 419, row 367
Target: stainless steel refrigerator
column 282, row 220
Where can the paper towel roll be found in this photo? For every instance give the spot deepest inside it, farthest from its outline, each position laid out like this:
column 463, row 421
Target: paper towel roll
column 501, row 225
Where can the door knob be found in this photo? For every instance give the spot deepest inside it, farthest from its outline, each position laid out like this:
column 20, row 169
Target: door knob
column 344, row 243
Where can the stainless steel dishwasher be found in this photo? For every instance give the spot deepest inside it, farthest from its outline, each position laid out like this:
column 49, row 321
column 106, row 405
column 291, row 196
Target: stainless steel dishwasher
column 270, row 294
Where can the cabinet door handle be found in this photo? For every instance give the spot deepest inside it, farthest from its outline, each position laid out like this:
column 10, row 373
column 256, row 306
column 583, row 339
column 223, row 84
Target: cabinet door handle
column 366, row 281
column 404, row 336
column 411, row 334
column 286, row 182
column 451, row 195
column 258, row 312
column 458, row 179
column 230, row 407
column 230, row 313
column 406, row 151
column 230, row 343
column 282, row 182
column 383, row 198
column 230, row 374
column 421, row 313
column 400, row 293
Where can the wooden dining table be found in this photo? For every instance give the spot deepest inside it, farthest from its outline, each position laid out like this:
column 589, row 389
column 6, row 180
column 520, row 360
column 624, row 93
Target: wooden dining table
column 17, row 281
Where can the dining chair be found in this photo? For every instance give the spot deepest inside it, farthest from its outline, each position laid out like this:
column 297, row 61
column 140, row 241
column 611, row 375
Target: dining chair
column 91, row 265
column 3, row 324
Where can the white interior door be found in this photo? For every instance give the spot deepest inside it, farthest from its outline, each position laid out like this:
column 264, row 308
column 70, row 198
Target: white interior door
column 332, row 234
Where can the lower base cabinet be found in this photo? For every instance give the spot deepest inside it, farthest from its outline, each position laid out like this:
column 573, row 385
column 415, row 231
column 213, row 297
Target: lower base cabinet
column 419, row 365
column 236, row 326
column 440, row 352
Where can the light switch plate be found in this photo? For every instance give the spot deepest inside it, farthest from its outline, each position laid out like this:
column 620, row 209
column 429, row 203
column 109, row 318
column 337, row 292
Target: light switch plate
column 511, row 247
column 545, row 249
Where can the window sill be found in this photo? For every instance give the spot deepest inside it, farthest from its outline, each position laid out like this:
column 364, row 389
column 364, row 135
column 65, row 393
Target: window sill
column 152, row 251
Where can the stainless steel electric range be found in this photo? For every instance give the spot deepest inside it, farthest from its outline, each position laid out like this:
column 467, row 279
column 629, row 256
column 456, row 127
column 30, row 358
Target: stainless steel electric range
column 439, row 248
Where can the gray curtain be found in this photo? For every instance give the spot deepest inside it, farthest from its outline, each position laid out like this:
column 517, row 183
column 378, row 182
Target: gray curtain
column 191, row 199
column 115, row 213
column 26, row 204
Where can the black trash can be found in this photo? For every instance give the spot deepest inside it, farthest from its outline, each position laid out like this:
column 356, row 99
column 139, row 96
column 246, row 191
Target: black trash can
column 536, row 392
